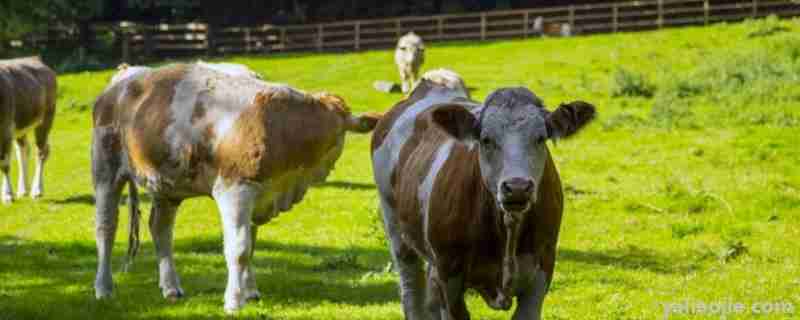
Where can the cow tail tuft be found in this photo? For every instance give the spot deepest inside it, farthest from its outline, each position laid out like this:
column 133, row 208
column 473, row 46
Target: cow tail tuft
column 133, row 228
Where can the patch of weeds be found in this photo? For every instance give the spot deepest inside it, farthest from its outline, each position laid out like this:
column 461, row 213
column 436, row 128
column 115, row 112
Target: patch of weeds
column 767, row 27
column 682, row 230
column 344, row 261
column 732, row 250
column 671, row 112
column 622, row 120
column 631, row 84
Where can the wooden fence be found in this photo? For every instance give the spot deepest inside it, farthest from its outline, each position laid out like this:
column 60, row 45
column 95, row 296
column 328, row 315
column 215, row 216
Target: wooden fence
column 200, row 39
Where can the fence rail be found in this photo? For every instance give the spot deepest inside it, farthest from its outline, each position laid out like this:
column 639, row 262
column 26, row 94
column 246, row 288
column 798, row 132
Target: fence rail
column 202, row 39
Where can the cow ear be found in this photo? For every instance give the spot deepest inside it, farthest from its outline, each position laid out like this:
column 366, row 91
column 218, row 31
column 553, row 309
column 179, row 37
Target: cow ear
column 364, row 123
column 458, row 122
column 568, row 119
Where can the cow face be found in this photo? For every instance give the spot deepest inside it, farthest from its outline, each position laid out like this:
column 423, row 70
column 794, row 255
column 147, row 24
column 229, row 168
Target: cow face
column 510, row 132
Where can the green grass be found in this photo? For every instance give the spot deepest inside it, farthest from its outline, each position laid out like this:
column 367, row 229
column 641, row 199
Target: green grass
column 692, row 194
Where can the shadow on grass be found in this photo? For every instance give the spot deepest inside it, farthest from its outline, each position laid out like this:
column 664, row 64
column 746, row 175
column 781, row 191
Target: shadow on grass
column 632, row 258
column 60, row 275
column 89, row 199
column 346, row 185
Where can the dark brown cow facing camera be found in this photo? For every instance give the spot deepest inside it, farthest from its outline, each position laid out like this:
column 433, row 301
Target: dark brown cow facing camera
column 27, row 105
column 472, row 190
column 183, row 131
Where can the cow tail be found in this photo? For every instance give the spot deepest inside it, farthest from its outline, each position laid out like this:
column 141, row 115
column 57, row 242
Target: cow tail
column 133, row 228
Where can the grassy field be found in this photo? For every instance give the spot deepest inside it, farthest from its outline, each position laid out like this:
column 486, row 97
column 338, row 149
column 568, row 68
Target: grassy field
column 685, row 189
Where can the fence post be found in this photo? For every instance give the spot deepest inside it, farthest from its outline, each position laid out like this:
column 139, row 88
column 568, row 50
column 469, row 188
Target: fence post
column 247, row 48
column 706, row 9
column 320, row 37
column 615, row 17
column 148, row 41
column 210, row 49
column 440, row 27
column 397, row 28
column 660, row 21
column 483, row 25
column 282, row 39
column 126, row 46
column 357, row 30
column 755, row 8
column 525, row 23
column 572, row 16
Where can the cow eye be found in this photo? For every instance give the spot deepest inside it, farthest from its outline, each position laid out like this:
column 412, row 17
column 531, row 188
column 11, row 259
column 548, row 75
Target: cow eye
column 540, row 140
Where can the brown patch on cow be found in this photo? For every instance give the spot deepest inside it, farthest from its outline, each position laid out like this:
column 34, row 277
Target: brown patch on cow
column 279, row 132
column 147, row 117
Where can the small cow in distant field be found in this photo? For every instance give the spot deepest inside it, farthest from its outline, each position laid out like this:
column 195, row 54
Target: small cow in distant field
column 472, row 190
column 27, row 104
column 184, row 131
column 551, row 28
column 409, row 57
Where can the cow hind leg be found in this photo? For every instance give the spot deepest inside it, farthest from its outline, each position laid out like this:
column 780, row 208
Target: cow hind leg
column 162, row 222
column 42, row 153
column 23, row 154
column 236, row 202
column 107, row 190
column 251, row 292
column 409, row 267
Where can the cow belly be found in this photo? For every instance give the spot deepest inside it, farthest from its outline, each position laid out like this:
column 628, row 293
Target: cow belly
column 283, row 192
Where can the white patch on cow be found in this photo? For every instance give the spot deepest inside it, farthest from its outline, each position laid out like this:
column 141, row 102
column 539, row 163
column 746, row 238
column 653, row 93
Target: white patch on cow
column 425, row 189
column 126, row 73
column 232, row 69
column 224, row 98
column 386, row 156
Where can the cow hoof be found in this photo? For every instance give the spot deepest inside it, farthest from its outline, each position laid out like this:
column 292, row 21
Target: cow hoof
column 21, row 194
column 36, row 194
column 173, row 295
column 253, row 296
column 233, row 308
column 102, row 294
column 7, row 199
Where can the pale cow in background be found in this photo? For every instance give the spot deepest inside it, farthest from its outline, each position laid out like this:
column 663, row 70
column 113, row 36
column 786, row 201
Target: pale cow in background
column 184, row 131
column 27, row 104
column 542, row 28
column 409, row 57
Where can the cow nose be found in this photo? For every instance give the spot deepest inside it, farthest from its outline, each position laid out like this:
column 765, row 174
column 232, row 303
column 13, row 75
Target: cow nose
column 517, row 187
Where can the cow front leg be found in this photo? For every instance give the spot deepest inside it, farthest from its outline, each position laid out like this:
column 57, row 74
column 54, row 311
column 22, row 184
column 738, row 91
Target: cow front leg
column 404, row 80
column 23, row 154
column 408, row 265
column 447, row 294
column 236, row 202
column 531, row 298
column 162, row 223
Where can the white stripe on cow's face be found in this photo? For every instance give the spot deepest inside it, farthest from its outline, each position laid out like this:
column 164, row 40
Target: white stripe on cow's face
column 425, row 189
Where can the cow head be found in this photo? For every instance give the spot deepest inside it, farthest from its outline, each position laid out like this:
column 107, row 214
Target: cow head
column 510, row 131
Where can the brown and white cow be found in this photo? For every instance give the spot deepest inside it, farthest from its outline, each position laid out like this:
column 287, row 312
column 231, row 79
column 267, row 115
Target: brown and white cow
column 27, row 104
column 472, row 190
column 184, row 131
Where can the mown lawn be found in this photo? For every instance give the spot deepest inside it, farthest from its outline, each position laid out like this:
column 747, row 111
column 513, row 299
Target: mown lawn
column 685, row 189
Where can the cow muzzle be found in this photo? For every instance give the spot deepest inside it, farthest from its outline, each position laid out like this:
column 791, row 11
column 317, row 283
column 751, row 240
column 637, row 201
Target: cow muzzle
column 517, row 194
